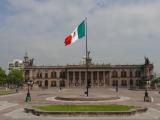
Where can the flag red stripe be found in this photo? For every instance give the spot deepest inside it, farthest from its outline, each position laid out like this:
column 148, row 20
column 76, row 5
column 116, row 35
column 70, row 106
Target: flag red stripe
column 68, row 40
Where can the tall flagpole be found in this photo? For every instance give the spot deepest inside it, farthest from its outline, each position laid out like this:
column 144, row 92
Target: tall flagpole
column 87, row 86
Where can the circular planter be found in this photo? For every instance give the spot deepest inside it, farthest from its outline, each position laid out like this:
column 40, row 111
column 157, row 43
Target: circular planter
column 87, row 113
column 87, row 98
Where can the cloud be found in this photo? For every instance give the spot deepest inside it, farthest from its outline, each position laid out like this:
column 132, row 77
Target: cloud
column 119, row 32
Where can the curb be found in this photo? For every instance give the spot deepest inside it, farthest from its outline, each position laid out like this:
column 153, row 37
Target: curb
column 86, row 99
column 88, row 113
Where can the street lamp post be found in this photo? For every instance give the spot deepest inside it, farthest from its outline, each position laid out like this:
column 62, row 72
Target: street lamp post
column 28, row 97
column 28, row 87
column 87, row 81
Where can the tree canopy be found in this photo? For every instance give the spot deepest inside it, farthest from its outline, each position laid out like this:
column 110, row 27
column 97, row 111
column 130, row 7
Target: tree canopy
column 156, row 80
column 3, row 76
column 15, row 77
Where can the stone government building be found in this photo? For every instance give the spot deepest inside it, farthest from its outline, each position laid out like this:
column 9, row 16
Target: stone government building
column 99, row 75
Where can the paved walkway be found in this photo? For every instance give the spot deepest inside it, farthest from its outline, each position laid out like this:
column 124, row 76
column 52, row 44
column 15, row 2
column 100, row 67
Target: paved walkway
column 6, row 104
column 11, row 106
column 151, row 114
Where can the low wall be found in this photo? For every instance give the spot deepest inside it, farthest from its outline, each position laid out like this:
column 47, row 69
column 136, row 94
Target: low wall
column 88, row 113
column 87, row 98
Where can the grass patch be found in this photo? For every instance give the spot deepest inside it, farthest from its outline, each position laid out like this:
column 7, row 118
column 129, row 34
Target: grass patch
column 4, row 92
column 74, row 108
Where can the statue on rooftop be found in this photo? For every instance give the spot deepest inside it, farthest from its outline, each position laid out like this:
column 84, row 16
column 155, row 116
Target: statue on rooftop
column 146, row 61
column 31, row 62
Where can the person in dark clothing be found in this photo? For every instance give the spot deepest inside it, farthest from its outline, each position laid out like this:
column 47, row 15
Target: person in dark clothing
column 146, row 95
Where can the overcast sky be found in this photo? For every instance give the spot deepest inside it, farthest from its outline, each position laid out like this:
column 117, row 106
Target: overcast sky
column 119, row 31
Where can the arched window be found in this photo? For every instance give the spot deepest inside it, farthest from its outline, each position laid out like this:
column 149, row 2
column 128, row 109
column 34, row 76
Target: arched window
column 62, row 74
column 46, row 75
column 53, row 74
column 123, row 74
column 39, row 75
column 40, row 83
column 114, row 74
column 124, row 83
column 131, row 82
column 46, row 83
column 137, row 74
column 137, row 82
column 114, row 82
column 53, row 83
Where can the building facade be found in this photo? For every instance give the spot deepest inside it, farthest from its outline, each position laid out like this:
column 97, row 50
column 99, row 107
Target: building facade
column 15, row 64
column 99, row 75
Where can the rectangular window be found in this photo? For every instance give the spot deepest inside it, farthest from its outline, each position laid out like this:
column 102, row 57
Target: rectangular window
column 100, row 76
column 71, row 77
column 76, row 75
column 131, row 75
column 94, row 76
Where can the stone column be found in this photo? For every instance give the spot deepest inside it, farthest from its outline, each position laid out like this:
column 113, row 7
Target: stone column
column 107, row 78
column 74, row 79
column 49, row 83
column 91, row 78
column 49, row 74
column 43, row 75
column 104, row 82
column 134, row 83
column 80, row 85
column 43, row 83
column 85, row 81
column 119, row 82
column 128, row 83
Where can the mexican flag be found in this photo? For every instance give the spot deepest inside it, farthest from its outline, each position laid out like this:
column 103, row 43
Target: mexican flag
column 77, row 34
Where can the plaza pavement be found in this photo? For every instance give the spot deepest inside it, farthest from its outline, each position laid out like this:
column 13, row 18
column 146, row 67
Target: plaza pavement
column 11, row 106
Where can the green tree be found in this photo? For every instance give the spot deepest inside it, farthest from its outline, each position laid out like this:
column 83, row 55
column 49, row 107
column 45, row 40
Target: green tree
column 2, row 76
column 156, row 80
column 15, row 77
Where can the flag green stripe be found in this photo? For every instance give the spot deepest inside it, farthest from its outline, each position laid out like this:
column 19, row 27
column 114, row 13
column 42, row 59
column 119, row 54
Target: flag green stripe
column 81, row 30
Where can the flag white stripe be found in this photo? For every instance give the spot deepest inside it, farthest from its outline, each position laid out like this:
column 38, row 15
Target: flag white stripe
column 74, row 35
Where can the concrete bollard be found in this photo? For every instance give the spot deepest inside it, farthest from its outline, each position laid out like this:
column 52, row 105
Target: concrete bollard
column 152, row 100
